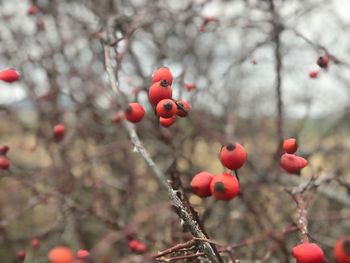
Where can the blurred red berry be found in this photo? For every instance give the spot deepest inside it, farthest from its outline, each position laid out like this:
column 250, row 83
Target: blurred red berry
column 290, row 145
column 4, row 163
column 159, row 91
column 9, row 75
column 58, row 131
column 33, row 10
column 342, row 250
column 190, row 86
column 117, row 117
column 233, row 156
column 224, row 186
column 163, row 73
column 35, row 243
column 308, row 253
column 166, row 108
column 83, row 254
column 167, row 122
column 61, row 254
column 134, row 112
column 323, row 61
column 200, row 184
column 313, row 74
column 183, row 107
column 4, row 149
column 292, row 163
column 137, row 246
column 21, row 255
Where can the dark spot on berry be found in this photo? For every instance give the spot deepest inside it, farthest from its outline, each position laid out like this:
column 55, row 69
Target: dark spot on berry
column 168, row 106
column 230, row 147
column 346, row 247
column 164, row 83
column 128, row 109
column 219, row 187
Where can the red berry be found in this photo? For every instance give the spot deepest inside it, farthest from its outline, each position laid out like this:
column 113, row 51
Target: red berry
column 21, row 255
column 190, row 86
column 313, row 74
column 200, row 184
column 61, row 254
column 290, row 145
column 292, row 163
column 224, row 186
column 33, row 10
column 4, row 163
column 167, row 122
column 159, row 91
column 137, row 246
column 117, row 117
column 35, row 243
column 163, row 73
column 166, row 108
column 183, row 107
column 308, row 253
column 134, row 112
column 4, row 149
column 59, row 131
column 83, row 254
column 323, row 61
column 342, row 250
column 9, row 75
column 233, row 156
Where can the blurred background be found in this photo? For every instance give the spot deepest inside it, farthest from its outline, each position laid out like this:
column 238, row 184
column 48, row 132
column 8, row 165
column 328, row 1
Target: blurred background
column 248, row 63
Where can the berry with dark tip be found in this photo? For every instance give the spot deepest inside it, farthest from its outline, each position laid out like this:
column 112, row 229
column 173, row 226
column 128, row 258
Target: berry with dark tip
column 233, row 156
column 224, row 186
column 166, row 108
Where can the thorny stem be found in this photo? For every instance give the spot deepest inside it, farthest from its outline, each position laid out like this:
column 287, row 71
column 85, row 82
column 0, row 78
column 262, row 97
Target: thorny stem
column 181, row 210
column 302, row 221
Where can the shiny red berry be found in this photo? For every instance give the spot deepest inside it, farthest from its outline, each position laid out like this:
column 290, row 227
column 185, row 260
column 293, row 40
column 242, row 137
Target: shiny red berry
column 58, row 131
column 233, row 156
column 166, row 108
column 224, row 186
column 290, row 145
column 200, row 184
column 134, row 112
column 167, row 122
column 61, row 254
column 9, row 75
column 159, row 91
column 4, row 163
column 292, row 163
column 308, row 253
column 342, row 250
column 163, row 73
column 323, row 61
column 183, row 107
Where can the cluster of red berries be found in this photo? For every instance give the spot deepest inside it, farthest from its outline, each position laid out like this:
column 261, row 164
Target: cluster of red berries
column 4, row 161
column 9, row 75
column 289, row 161
column 224, row 186
column 160, row 97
